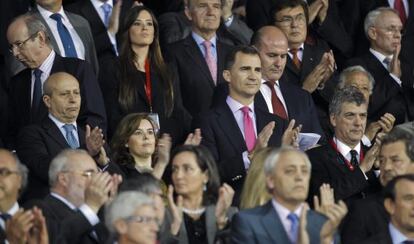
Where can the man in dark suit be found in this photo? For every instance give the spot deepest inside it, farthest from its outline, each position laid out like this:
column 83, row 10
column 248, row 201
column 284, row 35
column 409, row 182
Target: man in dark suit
column 287, row 173
column 78, row 191
column 39, row 143
column 199, row 58
column 397, row 202
column 344, row 162
column 394, row 79
column 235, row 129
column 30, row 44
column 367, row 217
column 70, row 34
column 276, row 90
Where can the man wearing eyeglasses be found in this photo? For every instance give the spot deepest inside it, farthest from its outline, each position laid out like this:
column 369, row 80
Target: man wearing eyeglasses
column 394, row 79
column 78, row 191
column 30, row 44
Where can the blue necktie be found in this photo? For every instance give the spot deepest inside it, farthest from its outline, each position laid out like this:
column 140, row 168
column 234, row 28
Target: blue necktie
column 293, row 232
column 70, row 137
column 107, row 13
column 5, row 216
column 64, row 34
column 37, row 91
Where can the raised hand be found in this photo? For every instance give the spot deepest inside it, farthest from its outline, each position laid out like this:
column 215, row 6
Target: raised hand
column 303, row 237
column 113, row 25
column 386, row 122
column 335, row 214
column 327, row 199
column 371, row 156
column 97, row 192
column 226, row 9
column 194, row 138
column 395, row 65
column 18, row 227
column 94, row 140
column 176, row 211
column 38, row 233
column 263, row 138
column 291, row 135
column 226, row 194
column 317, row 75
column 163, row 155
column 314, row 9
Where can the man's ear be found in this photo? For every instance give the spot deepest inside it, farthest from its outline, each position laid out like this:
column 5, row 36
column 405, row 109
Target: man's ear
column 46, row 100
column 227, row 75
column 372, row 33
column 332, row 119
column 187, row 13
column 389, row 206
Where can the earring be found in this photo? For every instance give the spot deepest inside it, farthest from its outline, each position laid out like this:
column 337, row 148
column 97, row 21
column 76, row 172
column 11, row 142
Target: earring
column 205, row 186
column 126, row 145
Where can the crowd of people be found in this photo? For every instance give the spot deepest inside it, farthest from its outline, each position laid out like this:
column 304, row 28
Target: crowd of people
column 207, row 121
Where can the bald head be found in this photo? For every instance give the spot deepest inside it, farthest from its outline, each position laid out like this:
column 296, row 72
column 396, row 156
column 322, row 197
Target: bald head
column 62, row 96
column 272, row 45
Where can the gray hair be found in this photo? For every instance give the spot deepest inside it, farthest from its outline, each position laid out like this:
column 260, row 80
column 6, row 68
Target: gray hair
column 371, row 18
column 124, row 206
column 343, row 77
column 61, row 163
column 190, row 3
column 34, row 25
column 348, row 94
column 274, row 155
column 401, row 135
column 23, row 171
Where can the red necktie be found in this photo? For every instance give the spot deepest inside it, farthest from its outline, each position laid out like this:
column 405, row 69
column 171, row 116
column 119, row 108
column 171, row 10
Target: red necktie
column 249, row 135
column 399, row 6
column 295, row 58
column 277, row 105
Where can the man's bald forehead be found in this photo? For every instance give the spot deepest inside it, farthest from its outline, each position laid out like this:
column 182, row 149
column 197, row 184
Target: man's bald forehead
column 268, row 34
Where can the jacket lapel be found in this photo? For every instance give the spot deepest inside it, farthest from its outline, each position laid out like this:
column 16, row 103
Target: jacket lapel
column 272, row 224
column 211, row 224
column 52, row 38
column 55, row 134
column 227, row 121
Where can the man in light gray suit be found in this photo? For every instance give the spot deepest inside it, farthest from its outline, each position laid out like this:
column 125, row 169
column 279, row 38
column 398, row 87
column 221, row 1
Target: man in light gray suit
column 70, row 34
column 285, row 218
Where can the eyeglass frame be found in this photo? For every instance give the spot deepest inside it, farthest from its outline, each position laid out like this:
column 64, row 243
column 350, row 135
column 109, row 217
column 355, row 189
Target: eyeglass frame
column 390, row 30
column 87, row 173
column 300, row 19
column 143, row 219
column 21, row 44
column 5, row 172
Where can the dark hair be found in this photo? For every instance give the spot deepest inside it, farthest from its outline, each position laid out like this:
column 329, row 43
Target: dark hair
column 348, row 94
column 231, row 57
column 389, row 190
column 207, row 163
column 145, row 183
column 398, row 134
column 128, row 78
column 123, row 131
column 282, row 4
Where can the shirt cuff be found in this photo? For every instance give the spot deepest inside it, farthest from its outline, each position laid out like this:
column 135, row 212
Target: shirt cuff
column 112, row 38
column 365, row 140
column 399, row 82
column 229, row 21
column 366, row 177
column 246, row 160
column 89, row 214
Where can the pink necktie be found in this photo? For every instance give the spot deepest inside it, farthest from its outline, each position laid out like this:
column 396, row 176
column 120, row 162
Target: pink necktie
column 211, row 62
column 249, row 135
column 399, row 6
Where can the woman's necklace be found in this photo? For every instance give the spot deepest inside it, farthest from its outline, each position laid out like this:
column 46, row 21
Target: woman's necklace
column 198, row 211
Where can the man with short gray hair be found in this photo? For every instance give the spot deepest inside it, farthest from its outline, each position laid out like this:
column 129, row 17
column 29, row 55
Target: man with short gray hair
column 394, row 78
column 344, row 162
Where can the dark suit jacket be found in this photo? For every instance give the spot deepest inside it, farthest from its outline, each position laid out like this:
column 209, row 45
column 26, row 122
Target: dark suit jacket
column 196, row 84
column 222, row 136
column 263, row 225
column 300, row 106
column 81, row 27
column 73, row 226
column 177, row 124
column 383, row 237
column 92, row 110
column 388, row 96
column 365, row 219
column 328, row 166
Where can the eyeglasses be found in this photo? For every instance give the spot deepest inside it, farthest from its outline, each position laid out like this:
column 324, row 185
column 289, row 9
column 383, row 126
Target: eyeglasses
column 86, row 173
column 143, row 219
column 392, row 30
column 20, row 44
column 4, row 172
column 300, row 19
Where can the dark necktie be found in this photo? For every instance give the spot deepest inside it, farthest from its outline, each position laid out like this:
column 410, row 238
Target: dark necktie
column 277, row 105
column 5, row 216
column 65, row 37
column 354, row 159
column 408, row 242
column 295, row 58
column 37, row 91
column 399, row 7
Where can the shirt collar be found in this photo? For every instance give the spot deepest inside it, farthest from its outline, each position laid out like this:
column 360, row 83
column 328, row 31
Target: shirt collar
column 284, row 212
column 379, row 55
column 45, row 67
column 60, row 124
column 301, row 47
column 13, row 209
column 344, row 149
column 276, row 82
column 199, row 40
column 396, row 235
column 99, row 3
column 236, row 106
column 62, row 199
column 46, row 13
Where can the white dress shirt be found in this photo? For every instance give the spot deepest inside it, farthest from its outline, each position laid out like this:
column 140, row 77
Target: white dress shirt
column 45, row 67
column 97, row 4
column 80, row 49
column 283, row 214
column 12, row 211
column 267, row 95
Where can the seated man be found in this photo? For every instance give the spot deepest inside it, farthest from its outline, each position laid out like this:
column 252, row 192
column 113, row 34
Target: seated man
column 398, row 195
column 287, row 173
column 341, row 163
column 367, row 217
column 39, row 143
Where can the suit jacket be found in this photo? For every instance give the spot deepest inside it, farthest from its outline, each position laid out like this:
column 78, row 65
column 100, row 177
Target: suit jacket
column 222, row 136
column 177, row 124
column 196, row 84
column 81, row 27
column 388, row 96
column 383, row 237
column 328, row 166
column 210, row 223
column 365, row 219
column 92, row 110
column 72, row 225
column 300, row 106
column 263, row 225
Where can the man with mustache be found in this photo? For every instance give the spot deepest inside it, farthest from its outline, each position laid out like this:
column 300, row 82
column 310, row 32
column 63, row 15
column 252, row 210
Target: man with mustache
column 367, row 217
column 344, row 162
